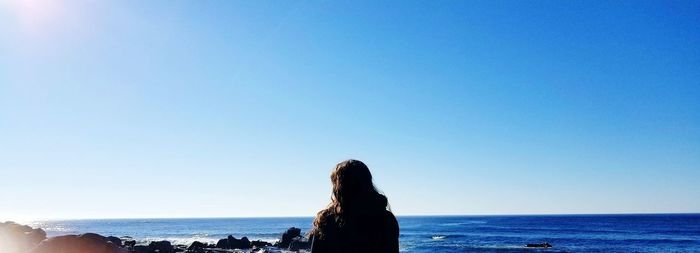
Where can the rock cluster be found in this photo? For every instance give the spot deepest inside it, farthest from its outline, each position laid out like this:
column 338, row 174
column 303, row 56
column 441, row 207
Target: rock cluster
column 233, row 243
column 15, row 238
column 153, row 247
column 293, row 240
column 89, row 242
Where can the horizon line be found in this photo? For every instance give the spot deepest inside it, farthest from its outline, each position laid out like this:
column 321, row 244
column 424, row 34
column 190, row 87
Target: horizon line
column 397, row 215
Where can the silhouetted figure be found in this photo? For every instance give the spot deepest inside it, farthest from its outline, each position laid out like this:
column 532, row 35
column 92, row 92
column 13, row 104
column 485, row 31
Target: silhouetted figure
column 358, row 218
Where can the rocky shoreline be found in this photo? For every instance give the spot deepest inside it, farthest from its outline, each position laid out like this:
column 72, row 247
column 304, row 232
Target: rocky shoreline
column 16, row 238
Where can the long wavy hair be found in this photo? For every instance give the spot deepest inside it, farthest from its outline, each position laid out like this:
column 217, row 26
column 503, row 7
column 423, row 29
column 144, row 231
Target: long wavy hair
column 353, row 194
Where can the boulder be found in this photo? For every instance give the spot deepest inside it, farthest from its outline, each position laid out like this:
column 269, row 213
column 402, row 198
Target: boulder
column 233, row 243
column 115, row 240
column 161, row 247
column 299, row 243
column 260, row 244
column 196, row 247
column 244, row 243
column 141, row 249
column 129, row 243
column 288, row 236
column 85, row 243
column 15, row 238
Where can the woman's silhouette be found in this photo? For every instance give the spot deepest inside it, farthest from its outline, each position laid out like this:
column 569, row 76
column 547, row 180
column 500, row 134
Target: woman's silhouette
column 358, row 218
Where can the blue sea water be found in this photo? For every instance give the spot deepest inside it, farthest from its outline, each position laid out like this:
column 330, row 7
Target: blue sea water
column 567, row 233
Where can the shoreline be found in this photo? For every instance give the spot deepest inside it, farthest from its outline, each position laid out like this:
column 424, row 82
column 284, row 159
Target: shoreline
column 18, row 238
column 611, row 233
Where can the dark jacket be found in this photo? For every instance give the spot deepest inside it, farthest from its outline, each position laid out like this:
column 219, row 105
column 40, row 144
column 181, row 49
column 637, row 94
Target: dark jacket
column 368, row 233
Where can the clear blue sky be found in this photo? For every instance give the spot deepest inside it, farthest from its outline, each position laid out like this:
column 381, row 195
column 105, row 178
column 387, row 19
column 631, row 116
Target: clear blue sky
column 242, row 108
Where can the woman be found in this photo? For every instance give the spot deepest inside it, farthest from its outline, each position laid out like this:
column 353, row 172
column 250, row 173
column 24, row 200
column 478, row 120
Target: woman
column 358, row 218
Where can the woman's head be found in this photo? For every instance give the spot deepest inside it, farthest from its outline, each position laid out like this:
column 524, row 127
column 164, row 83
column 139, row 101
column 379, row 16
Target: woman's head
column 353, row 194
column 353, row 190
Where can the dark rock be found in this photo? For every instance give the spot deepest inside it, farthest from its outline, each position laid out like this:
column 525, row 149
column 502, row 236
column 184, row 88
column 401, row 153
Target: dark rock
column 129, row 243
column 244, row 243
column 85, row 243
column 260, row 244
column 299, row 243
column 161, row 247
column 180, row 248
column 291, row 233
column 196, row 247
column 233, row 243
column 223, row 244
column 288, row 236
column 115, row 240
column 141, row 249
column 538, row 245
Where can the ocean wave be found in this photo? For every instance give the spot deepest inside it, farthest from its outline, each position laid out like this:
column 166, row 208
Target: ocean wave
column 450, row 248
column 186, row 240
column 451, row 224
column 446, row 236
column 439, row 237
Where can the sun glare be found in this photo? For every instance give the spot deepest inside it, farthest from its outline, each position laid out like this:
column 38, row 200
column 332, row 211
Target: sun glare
column 34, row 15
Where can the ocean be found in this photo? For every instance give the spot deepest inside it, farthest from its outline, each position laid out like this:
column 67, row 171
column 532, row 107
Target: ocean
column 566, row 233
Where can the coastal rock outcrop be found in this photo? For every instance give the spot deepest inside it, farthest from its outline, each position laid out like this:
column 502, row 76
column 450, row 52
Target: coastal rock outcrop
column 233, row 243
column 196, row 247
column 115, row 240
column 293, row 240
column 84, row 243
column 161, row 247
column 288, row 236
column 260, row 244
column 141, row 249
column 16, row 238
column 299, row 243
column 129, row 243
column 154, row 247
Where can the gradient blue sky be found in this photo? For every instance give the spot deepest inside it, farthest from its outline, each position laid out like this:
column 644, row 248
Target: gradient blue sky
column 242, row 108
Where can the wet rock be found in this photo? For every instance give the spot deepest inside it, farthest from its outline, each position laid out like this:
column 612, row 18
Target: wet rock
column 115, row 240
column 260, row 244
column 293, row 240
column 299, row 243
column 288, row 236
column 161, row 247
column 244, row 243
column 141, row 249
column 129, row 243
column 85, row 243
column 196, row 247
column 180, row 248
column 233, row 243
